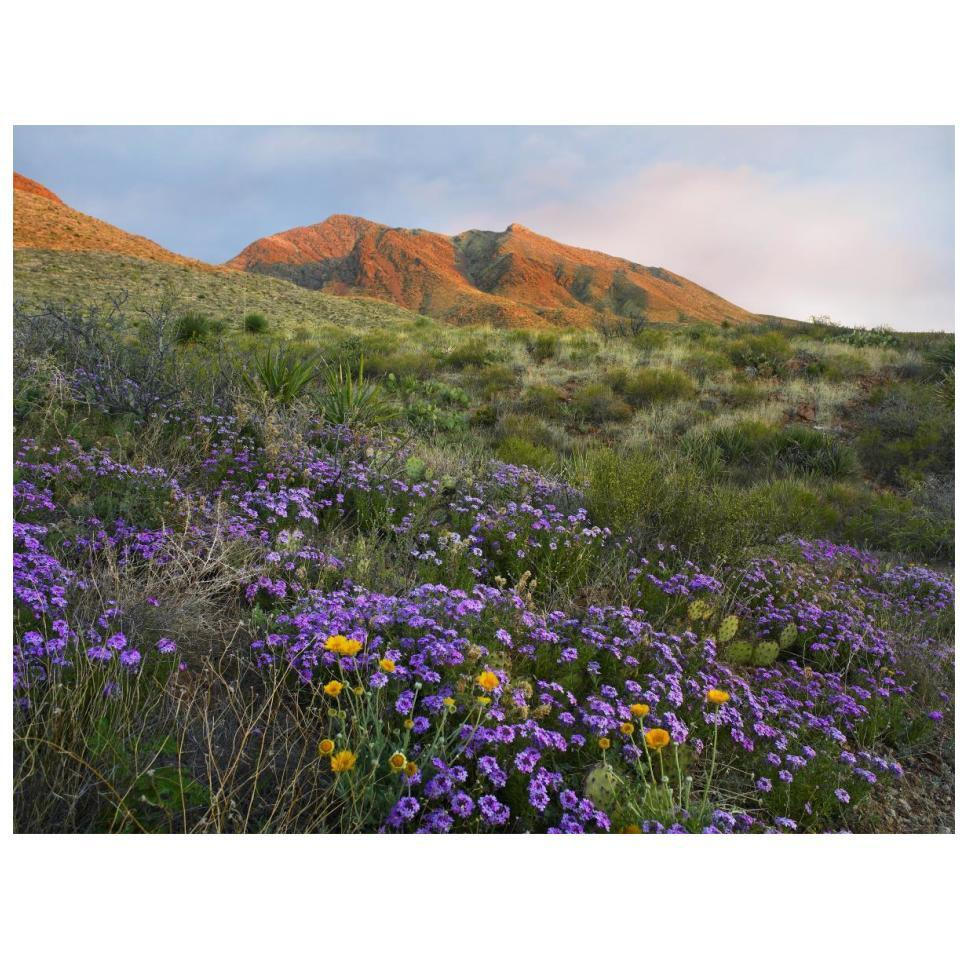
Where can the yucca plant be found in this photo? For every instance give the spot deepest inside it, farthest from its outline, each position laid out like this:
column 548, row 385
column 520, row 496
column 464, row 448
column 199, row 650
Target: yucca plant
column 352, row 401
column 281, row 375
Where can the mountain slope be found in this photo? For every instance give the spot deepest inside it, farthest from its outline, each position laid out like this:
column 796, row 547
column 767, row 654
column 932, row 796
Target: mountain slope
column 510, row 278
column 42, row 221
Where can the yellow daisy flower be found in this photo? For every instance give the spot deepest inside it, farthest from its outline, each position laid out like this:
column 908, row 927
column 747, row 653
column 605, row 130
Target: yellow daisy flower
column 343, row 761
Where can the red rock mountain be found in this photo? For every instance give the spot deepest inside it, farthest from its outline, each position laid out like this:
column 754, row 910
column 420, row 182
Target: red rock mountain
column 508, row 278
column 42, row 221
column 514, row 277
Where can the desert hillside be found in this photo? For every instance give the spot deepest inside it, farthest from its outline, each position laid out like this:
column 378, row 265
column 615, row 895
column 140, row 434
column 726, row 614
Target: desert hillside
column 513, row 277
column 42, row 221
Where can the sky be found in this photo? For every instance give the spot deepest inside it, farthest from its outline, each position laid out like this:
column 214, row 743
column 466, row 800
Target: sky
column 853, row 222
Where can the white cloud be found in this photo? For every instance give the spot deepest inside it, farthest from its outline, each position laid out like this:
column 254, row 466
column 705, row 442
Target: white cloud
column 768, row 243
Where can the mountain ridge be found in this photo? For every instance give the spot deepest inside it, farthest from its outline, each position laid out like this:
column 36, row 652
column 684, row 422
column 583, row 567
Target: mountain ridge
column 510, row 277
column 513, row 277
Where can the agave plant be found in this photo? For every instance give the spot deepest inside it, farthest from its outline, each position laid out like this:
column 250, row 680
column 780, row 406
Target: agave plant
column 352, row 400
column 281, row 375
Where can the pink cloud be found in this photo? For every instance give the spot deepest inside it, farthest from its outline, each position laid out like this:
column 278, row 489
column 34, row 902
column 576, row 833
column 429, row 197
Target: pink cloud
column 768, row 243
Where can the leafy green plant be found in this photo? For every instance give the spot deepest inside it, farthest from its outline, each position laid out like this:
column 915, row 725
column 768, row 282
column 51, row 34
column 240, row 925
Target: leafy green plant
column 283, row 376
column 192, row 328
column 353, row 401
column 255, row 323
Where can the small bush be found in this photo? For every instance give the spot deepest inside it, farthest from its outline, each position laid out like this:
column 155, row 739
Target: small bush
column 192, row 328
column 651, row 385
column 282, row 375
column 469, row 353
column 597, row 404
column 519, row 450
column 543, row 399
column 255, row 323
column 544, row 346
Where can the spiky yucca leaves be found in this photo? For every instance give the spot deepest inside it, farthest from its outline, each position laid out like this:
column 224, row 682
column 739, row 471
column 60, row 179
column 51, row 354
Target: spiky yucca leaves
column 281, row 375
column 353, row 401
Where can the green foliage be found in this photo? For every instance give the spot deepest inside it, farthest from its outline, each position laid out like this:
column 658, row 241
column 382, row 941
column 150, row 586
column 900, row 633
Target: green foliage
column 875, row 337
column 469, row 353
column 255, row 323
column 650, row 385
column 353, row 401
column 283, row 375
column 765, row 653
column 759, row 447
column 739, row 652
column 544, row 399
column 543, row 346
column 597, row 404
column 519, row 450
column 728, row 628
column 192, row 328
column 906, row 433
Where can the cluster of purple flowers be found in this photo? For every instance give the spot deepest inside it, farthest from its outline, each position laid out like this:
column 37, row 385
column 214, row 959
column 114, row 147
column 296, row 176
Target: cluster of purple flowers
column 566, row 678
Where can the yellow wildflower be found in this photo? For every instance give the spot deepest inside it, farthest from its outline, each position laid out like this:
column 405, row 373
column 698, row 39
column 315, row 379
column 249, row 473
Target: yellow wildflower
column 716, row 696
column 657, row 738
column 397, row 762
column 410, row 769
column 450, row 703
column 640, row 710
column 326, row 747
column 408, row 723
column 335, row 642
column 488, row 680
column 603, row 743
column 343, row 761
column 627, row 728
column 333, row 688
column 483, row 700
column 387, row 665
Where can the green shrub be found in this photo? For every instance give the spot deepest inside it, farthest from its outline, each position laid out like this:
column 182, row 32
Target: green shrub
column 525, row 426
column 544, row 399
column 495, row 380
column 596, row 404
column 651, row 385
column 469, row 353
column 750, row 445
column 543, row 346
column 255, row 323
column 905, row 433
column 192, row 328
column 353, row 401
column 282, row 375
column 809, row 451
column 519, row 450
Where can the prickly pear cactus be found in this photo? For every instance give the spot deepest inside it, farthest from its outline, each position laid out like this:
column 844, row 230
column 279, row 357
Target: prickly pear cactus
column 699, row 610
column 766, row 653
column 788, row 636
column 601, row 786
column 740, row 652
column 728, row 628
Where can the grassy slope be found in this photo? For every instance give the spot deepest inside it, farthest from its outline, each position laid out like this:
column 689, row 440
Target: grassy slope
column 551, row 400
column 41, row 275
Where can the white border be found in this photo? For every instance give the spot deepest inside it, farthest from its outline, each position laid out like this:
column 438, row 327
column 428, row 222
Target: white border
column 497, row 62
